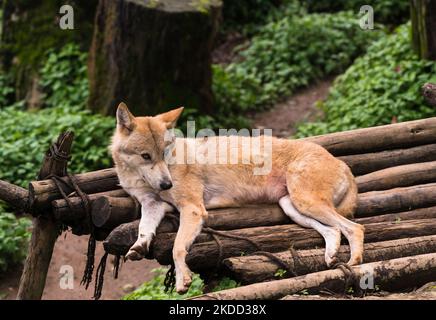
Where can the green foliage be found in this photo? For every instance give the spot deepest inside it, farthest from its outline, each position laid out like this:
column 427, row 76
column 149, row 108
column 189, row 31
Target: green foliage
column 64, row 77
column 288, row 54
column 385, row 11
column 26, row 135
column 14, row 237
column 155, row 290
column 6, row 90
column 380, row 87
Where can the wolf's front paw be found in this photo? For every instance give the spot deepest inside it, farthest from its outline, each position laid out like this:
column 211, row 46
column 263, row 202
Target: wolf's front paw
column 139, row 250
column 183, row 282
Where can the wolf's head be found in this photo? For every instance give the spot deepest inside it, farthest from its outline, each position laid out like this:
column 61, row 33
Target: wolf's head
column 139, row 144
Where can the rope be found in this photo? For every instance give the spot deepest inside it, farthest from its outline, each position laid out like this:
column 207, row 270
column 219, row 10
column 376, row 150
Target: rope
column 351, row 278
column 86, row 203
column 99, row 276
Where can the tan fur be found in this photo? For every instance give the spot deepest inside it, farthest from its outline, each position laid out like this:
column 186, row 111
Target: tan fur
column 319, row 186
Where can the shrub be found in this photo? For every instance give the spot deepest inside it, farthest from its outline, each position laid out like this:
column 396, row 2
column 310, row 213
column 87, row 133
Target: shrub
column 155, row 290
column 26, row 135
column 288, row 54
column 14, row 237
column 385, row 11
column 64, row 77
column 380, row 87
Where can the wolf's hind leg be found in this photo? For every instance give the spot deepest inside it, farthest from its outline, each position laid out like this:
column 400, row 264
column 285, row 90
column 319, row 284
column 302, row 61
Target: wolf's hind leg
column 326, row 214
column 331, row 235
column 192, row 216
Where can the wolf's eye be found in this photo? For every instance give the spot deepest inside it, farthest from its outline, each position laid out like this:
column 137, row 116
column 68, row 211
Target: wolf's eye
column 146, row 156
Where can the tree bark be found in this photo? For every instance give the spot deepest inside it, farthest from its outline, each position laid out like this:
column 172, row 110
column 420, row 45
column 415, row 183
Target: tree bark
column 153, row 55
column 401, row 176
column 392, row 136
column 258, row 268
column 389, row 275
column 423, row 14
column 45, row 229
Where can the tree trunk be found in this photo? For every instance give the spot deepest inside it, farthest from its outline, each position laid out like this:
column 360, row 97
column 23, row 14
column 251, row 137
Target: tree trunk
column 258, row 268
column 30, row 29
column 45, row 229
column 423, row 14
column 153, row 55
column 389, row 275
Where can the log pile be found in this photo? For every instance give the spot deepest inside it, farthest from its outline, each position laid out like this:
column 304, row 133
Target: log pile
column 395, row 169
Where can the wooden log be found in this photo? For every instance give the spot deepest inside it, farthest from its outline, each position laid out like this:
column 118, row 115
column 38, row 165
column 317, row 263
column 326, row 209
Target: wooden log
column 394, row 274
column 400, row 176
column 393, row 136
column 429, row 93
column 42, row 193
column 370, row 162
column 258, row 268
column 45, row 229
column 109, row 212
column 13, row 195
column 396, row 200
column 159, row 55
column 273, row 239
column 62, row 211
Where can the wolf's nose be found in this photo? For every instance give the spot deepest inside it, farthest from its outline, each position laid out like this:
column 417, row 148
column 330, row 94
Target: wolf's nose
column 166, row 185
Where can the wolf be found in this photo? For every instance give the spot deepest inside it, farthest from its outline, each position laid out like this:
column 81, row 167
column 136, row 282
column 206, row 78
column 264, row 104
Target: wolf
column 314, row 189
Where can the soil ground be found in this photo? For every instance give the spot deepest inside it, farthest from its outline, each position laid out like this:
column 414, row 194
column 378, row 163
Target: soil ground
column 71, row 250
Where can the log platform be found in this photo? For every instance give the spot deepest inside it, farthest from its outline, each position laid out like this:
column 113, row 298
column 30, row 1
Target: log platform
column 395, row 169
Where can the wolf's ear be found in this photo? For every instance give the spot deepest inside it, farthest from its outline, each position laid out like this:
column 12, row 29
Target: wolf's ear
column 170, row 117
column 124, row 117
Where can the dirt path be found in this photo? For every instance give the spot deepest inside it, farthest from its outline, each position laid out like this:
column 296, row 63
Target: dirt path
column 72, row 251
column 300, row 107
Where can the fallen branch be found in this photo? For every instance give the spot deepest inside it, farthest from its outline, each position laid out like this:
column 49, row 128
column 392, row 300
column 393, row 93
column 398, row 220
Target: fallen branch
column 389, row 275
column 258, row 268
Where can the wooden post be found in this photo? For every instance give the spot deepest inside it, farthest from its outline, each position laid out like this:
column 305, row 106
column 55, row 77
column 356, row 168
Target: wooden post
column 45, row 229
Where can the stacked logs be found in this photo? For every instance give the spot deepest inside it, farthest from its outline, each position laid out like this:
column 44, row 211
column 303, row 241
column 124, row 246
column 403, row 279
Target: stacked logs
column 395, row 169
